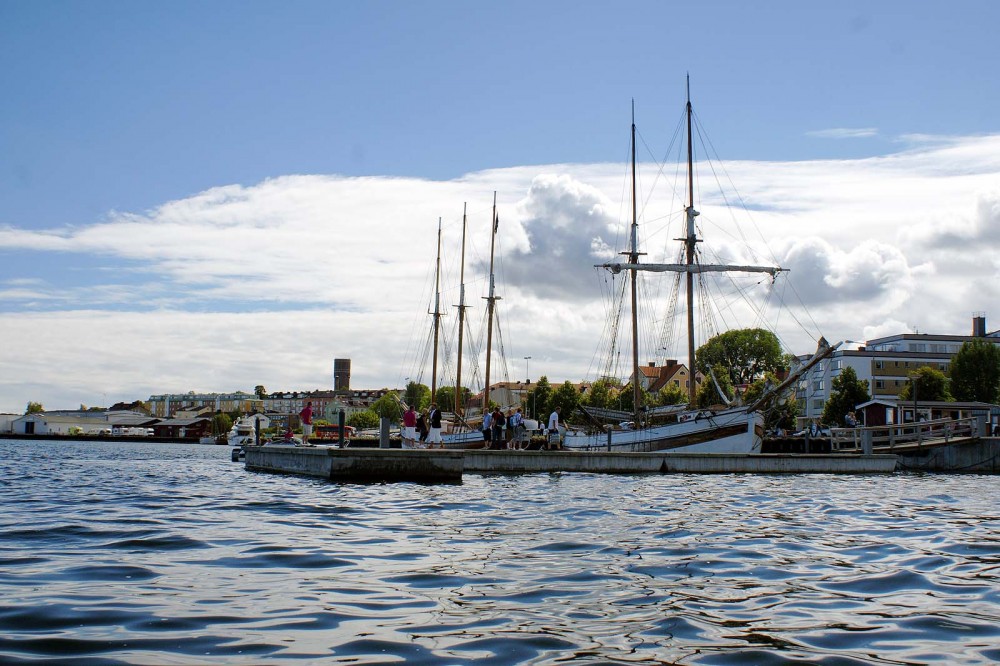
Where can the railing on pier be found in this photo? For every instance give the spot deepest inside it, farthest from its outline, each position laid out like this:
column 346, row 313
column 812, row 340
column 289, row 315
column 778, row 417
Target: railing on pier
column 906, row 435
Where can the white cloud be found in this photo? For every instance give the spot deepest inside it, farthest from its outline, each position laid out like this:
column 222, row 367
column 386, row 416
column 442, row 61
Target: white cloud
column 844, row 133
column 266, row 284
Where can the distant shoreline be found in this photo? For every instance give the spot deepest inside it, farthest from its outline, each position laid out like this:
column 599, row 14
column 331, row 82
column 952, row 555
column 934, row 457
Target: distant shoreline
column 106, row 438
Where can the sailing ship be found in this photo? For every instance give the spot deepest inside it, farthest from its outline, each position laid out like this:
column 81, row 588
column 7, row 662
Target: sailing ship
column 462, row 433
column 733, row 429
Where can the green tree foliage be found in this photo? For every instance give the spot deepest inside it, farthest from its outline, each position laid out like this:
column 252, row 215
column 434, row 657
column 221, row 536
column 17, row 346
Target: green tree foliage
column 603, row 393
column 669, row 395
column 389, row 407
column 975, row 372
column 221, row 423
column 260, row 391
column 781, row 413
column 446, row 397
column 846, row 393
column 418, row 395
column 536, row 401
column 34, row 408
column 744, row 355
column 566, row 397
column 363, row 420
column 708, row 395
column 931, row 385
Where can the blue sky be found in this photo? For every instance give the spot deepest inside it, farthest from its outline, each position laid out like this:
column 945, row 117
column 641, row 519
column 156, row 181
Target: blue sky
column 122, row 121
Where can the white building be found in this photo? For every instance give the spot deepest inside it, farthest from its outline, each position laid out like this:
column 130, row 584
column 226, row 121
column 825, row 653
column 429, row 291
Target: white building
column 885, row 363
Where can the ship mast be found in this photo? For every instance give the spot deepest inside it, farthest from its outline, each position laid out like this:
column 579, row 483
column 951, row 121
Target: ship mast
column 461, row 322
column 633, row 257
column 437, row 315
column 690, row 244
column 690, row 267
column 490, row 305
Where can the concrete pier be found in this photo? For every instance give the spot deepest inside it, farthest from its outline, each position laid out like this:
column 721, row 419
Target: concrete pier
column 437, row 465
column 361, row 465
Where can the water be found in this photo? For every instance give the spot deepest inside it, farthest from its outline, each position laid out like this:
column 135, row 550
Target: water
column 172, row 554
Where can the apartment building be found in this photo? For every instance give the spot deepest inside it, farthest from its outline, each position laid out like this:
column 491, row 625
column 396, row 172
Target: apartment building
column 885, row 363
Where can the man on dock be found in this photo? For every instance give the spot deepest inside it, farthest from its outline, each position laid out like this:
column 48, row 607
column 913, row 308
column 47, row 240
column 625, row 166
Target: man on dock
column 554, row 438
column 307, row 422
column 410, row 428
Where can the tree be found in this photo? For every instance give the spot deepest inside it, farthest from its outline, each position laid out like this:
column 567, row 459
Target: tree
column 566, row 397
column 975, row 372
column 536, row 401
column 363, row 420
column 671, row 394
column 221, row 423
column 846, row 393
column 708, row 394
column 446, row 397
column 260, row 391
column 389, row 407
column 932, row 385
column 603, row 393
column 744, row 355
column 34, row 408
column 417, row 395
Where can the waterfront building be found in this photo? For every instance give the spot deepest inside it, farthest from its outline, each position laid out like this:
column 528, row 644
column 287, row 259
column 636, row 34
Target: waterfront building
column 167, row 405
column 885, row 363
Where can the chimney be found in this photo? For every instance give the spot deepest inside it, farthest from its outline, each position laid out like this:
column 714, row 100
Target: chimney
column 979, row 324
column 652, row 364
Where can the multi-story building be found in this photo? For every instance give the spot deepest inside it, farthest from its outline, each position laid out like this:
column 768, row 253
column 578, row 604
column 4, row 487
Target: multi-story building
column 885, row 363
column 167, row 405
column 655, row 377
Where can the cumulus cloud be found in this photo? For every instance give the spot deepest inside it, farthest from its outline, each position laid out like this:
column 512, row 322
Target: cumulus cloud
column 869, row 271
column 569, row 229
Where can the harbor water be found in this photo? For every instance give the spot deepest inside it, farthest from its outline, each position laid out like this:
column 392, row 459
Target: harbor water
column 145, row 553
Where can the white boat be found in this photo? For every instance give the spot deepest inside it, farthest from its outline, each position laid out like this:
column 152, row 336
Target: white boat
column 243, row 432
column 734, row 429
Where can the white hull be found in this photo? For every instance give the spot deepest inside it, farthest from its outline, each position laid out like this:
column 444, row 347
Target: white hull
column 731, row 431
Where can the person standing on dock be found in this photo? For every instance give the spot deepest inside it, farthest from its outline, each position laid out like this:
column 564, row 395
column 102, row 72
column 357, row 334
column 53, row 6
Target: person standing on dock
column 307, row 421
column 515, row 423
column 421, row 429
column 410, row 428
column 497, row 422
column 435, row 435
column 553, row 440
column 487, row 430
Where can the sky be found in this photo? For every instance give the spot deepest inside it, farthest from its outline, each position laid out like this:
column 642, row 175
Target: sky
column 211, row 196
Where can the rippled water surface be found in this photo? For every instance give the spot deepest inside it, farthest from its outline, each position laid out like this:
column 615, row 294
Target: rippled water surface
column 158, row 553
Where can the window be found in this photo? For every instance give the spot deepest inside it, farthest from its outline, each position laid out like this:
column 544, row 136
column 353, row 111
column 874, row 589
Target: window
column 879, row 365
column 836, row 364
column 817, row 385
column 918, row 347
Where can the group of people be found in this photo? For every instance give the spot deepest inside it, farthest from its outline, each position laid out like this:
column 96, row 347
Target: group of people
column 423, row 429
column 516, row 434
column 499, row 430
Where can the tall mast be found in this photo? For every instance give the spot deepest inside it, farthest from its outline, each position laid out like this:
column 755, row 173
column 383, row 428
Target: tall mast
column 490, row 304
column 690, row 243
column 461, row 322
column 690, row 266
column 633, row 257
column 437, row 315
